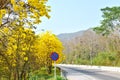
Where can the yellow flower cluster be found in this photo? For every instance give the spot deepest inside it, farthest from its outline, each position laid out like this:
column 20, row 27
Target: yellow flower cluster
column 2, row 13
column 30, row 11
column 42, row 10
column 12, row 1
column 49, row 43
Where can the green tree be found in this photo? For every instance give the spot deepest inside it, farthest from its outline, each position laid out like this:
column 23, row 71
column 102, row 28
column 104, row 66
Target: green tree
column 111, row 20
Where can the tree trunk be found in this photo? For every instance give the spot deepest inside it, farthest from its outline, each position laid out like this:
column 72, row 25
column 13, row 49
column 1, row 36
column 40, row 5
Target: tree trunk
column 21, row 75
column 14, row 76
column 10, row 74
column 49, row 69
column 49, row 65
column 18, row 76
column 24, row 76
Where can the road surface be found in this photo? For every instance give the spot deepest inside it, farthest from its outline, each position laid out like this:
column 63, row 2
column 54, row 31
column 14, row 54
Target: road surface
column 75, row 73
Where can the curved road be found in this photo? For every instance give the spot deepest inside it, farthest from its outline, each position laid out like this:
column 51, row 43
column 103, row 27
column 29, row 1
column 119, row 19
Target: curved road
column 75, row 73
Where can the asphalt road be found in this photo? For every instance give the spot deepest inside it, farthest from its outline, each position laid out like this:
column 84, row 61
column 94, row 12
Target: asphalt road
column 75, row 73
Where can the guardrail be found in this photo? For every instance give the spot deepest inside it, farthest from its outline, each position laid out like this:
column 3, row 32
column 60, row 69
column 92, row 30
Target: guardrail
column 105, row 68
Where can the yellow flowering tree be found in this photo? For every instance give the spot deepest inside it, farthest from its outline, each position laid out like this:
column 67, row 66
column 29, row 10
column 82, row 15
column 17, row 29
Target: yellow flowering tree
column 4, row 61
column 16, row 51
column 15, row 39
column 48, row 43
column 27, row 12
column 21, row 51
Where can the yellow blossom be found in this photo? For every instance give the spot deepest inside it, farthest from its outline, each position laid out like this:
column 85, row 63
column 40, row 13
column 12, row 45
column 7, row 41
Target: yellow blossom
column 26, row 58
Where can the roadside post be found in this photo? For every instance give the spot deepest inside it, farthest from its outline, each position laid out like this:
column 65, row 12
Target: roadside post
column 54, row 56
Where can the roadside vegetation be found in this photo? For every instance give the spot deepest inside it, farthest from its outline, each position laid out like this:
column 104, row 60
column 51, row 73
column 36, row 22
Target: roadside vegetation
column 43, row 75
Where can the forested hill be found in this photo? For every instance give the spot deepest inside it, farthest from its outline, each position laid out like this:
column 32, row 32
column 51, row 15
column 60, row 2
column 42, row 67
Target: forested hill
column 83, row 46
column 70, row 40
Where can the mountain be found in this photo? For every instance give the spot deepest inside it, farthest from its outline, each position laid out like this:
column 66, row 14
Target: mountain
column 69, row 36
column 71, row 40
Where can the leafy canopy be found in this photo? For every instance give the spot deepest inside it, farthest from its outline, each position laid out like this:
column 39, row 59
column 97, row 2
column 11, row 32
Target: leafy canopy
column 22, row 12
column 111, row 20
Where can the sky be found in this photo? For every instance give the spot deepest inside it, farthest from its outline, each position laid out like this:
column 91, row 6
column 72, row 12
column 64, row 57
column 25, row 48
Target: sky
column 69, row 16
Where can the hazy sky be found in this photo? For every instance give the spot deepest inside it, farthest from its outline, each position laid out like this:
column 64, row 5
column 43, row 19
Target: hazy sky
column 74, row 15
